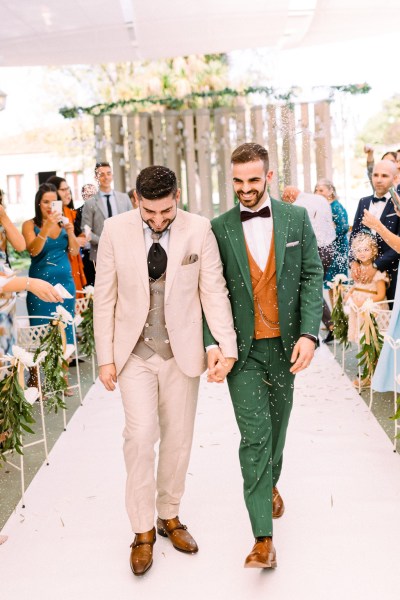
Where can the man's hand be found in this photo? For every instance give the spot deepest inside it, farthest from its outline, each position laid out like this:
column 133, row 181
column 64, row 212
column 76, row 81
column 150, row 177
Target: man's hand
column 355, row 270
column 302, row 354
column 218, row 365
column 370, row 221
column 108, row 376
column 367, row 274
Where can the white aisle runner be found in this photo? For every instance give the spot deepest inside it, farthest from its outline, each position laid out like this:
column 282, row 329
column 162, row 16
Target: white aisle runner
column 339, row 537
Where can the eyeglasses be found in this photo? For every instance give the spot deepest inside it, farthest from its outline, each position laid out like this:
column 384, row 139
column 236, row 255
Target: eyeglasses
column 66, row 189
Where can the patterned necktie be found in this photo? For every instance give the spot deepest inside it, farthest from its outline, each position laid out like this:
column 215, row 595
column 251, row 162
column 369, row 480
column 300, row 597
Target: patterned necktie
column 245, row 215
column 107, row 196
column 157, row 257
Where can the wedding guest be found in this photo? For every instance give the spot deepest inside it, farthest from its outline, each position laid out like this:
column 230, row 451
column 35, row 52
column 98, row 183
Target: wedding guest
column 383, row 379
column 380, row 205
column 106, row 203
column 64, row 194
column 131, row 194
column 365, row 250
column 340, row 261
column 89, row 190
column 320, row 216
column 49, row 243
column 393, row 156
column 9, row 234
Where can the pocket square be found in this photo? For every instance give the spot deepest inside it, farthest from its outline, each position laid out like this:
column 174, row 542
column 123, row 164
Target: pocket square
column 291, row 244
column 190, row 259
column 392, row 215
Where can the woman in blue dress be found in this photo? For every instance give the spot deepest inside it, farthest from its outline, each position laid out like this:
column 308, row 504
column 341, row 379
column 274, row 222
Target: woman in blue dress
column 383, row 379
column 49, row 240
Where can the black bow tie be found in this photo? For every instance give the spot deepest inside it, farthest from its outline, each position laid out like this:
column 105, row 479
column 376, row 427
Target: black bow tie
column 375, row 199
column 245, row 215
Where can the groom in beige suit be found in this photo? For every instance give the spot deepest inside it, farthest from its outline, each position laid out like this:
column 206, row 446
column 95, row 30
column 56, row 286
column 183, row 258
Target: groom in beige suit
column 158, row 270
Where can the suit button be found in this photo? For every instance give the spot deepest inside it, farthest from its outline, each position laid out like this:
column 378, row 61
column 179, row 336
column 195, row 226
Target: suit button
column 146, row 339
column 146, row 324
column 167, row 341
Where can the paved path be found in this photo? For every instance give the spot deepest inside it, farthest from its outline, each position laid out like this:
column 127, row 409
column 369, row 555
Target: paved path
column 339, row 537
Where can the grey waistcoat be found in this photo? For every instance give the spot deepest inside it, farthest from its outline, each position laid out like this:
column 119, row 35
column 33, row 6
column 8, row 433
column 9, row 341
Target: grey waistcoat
column 154, row 338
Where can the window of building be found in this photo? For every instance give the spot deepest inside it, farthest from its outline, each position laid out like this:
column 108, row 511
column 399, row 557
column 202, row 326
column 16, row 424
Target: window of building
column 14, row 189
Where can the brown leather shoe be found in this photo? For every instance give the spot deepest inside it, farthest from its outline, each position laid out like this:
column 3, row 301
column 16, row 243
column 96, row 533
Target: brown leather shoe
column 278, row 507
column 263, row 555
column 142, row 552
column 178, row 534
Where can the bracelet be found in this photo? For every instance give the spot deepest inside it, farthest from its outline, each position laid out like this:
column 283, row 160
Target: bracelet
column 27, row 284
column 41, row 237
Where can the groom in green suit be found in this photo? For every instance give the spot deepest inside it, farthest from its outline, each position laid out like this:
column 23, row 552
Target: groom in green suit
column 274, row 278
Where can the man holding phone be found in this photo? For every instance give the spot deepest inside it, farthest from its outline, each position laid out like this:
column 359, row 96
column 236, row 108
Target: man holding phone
column 380, row 206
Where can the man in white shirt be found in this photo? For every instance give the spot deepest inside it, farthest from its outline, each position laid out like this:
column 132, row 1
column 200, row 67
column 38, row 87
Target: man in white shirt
column 381, row 207
column 320, row 214
column 106, row 203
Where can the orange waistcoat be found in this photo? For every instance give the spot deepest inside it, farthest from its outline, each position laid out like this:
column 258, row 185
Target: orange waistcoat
column 266, row 317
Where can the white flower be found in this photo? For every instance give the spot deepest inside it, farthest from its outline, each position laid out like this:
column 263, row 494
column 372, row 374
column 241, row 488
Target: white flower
column 31, row 394
column 63, row 315
column 368, row 305
column 26, row 358
column 340, row 278
column 89, row 290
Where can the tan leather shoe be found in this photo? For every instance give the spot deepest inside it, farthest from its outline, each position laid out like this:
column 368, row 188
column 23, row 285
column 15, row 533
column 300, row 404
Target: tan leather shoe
column 178, row 534
column 142, row 552
column 263, row 555
column 278, row 507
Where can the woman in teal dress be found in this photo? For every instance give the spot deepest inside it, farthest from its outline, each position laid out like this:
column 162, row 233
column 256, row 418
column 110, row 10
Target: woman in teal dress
column 339, row 264
column 48, row 241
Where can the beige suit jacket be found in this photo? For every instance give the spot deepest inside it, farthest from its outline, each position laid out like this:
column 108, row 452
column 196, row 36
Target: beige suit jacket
column 122, row 296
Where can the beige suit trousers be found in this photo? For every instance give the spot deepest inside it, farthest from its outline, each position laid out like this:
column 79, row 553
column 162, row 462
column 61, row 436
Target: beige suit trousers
column 160, row 405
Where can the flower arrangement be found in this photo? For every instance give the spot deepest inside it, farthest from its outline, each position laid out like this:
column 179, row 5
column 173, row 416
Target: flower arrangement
column 86, row 324
column 15, row 402
column 339, row 318
column 53, row 342
column 371, row 342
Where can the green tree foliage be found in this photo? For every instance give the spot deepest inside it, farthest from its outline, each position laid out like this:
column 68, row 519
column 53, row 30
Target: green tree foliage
column 383, row 129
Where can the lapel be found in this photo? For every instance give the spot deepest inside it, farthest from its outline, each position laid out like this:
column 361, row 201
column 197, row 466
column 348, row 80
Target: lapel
column 281, row 216
column 389, row 209
column 137, row 245
column 176, row 245
column 100, row 205
column 235, row 235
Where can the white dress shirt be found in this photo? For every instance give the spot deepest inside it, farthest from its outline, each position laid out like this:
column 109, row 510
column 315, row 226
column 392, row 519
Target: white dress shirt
column 376, row 208
column 258, row 235
column 320, row 214
column 112, row 202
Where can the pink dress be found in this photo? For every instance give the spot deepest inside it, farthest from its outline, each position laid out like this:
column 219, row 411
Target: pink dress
column 361, row 292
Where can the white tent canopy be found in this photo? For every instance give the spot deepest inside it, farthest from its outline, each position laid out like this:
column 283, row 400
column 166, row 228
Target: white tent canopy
column 34, row 32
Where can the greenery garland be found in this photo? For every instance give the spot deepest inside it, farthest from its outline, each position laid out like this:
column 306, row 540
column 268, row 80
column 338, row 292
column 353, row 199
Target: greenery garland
column 54, row 366
column 340, row 322
column 87, row 331
column 371, row 343
column 15, row 413
column 175, row 103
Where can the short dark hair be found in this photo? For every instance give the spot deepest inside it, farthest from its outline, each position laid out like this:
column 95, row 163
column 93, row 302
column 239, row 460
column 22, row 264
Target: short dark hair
column 156, row 182
column 250, row 152
column 101, row 164
column 43, row 188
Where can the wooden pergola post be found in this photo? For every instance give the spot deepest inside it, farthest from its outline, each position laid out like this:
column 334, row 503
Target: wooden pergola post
column 323, row 143
column 118, row 154
column 221, row 125
column 203, row 143
column 289, row 154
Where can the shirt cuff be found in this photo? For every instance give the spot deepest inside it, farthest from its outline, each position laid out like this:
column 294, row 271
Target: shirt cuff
column 310, row 336
column 211, row 346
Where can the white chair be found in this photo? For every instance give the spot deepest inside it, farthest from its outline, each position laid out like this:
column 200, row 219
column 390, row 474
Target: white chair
column 81, row 304
column 29, row 337
column 5, row 363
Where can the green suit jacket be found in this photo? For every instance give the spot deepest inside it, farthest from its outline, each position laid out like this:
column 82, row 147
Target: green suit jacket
column 298, row 270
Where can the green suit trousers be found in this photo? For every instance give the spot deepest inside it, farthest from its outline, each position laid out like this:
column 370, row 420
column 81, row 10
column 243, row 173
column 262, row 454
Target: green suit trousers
column 262, row 397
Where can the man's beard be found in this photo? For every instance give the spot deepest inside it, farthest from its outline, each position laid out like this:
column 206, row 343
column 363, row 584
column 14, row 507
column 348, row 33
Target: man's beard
column 159, row 231
column 255, row 200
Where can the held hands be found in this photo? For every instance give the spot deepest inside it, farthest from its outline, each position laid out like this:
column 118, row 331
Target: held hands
column 362, row 273
column 302, row 355
column 218, row 365
column 108, row 376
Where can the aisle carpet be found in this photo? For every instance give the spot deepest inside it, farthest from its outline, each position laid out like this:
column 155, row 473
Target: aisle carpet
column 338, row 539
